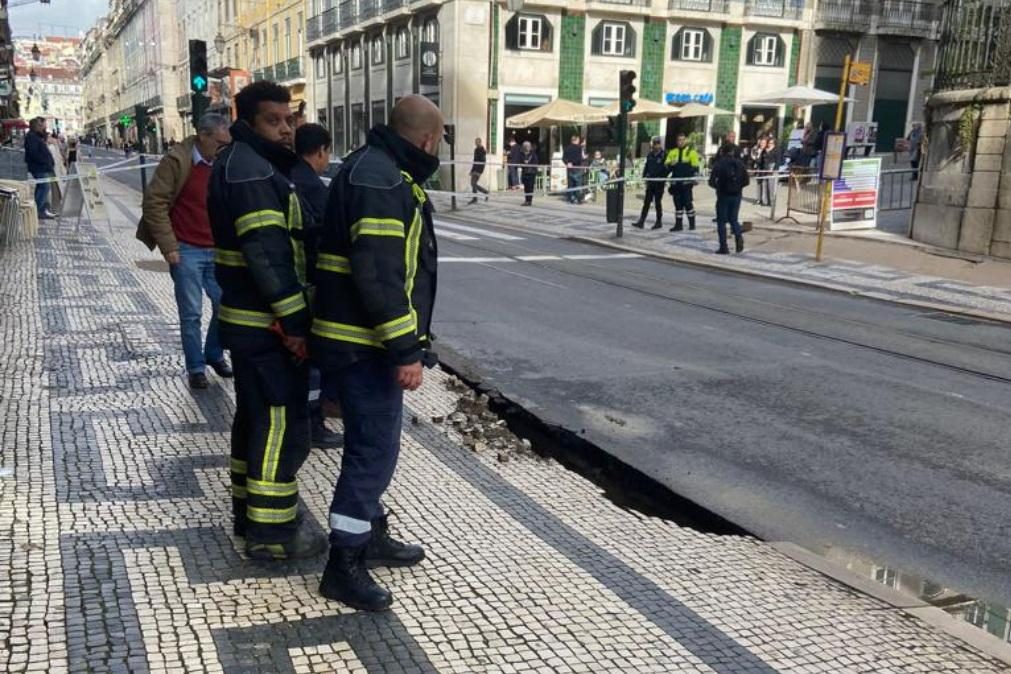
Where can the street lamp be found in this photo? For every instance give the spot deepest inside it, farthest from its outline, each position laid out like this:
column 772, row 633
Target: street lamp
column 36, row 53
column 219, row 43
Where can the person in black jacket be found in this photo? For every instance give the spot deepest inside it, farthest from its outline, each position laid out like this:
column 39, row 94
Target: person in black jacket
column 654, row 172
column 312, row 145
column 376, row 279
column 528, row 173
column 729, row 177
column 40, row 164
column 477, row 169
column 264, row 319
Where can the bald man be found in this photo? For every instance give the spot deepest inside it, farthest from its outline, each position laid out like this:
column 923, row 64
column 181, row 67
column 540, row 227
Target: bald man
column 375, row 289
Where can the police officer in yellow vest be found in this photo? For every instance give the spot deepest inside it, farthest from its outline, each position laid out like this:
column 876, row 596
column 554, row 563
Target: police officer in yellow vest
column 264, row 320
column 683, row 162
column 376, row 277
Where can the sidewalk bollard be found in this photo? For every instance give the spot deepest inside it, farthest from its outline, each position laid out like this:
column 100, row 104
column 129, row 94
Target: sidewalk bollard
column 143, row 172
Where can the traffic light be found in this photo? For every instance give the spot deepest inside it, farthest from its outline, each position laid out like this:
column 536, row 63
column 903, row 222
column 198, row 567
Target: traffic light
column 198, row 66
column 140, row 119
column 449, row 134
column 627, row 90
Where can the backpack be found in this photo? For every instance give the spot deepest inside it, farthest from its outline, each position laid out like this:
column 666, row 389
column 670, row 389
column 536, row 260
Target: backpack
column 735, row 177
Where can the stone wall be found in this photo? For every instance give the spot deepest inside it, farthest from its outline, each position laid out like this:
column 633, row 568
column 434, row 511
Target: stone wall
column 964, row 202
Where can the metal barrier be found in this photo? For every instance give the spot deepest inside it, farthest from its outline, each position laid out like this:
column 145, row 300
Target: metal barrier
column 803, row 193
column 12, row 164
column 11, row 223
column 897, row 190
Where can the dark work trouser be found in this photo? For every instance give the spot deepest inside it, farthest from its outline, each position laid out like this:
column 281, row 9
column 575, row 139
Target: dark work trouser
column 372, row 404
column 728, row 206
column 528, row 187
column 654, row 195
column 684, row 203
column 270, row 441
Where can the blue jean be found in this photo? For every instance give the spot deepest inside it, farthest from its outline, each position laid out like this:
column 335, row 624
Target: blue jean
column 41, row 191
column 575, row 180
column 193, row 276
column 372, row 404
column 728, row 206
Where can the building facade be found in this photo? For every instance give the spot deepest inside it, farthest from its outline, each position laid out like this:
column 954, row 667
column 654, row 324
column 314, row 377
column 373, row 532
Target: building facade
column 131, row 57
column 49, row 79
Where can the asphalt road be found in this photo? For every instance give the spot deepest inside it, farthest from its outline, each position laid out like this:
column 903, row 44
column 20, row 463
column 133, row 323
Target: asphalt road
column 108, row 157
column 800, row 414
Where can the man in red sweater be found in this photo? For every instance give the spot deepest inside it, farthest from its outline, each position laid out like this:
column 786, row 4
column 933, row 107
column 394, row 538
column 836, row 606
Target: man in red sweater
column 174, row 217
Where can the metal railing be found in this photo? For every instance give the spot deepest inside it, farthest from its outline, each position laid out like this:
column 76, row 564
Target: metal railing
column 907, row 17
column 707, row 6
column 845, row 15
column 974, row 50
column 368, row 9
column 288, row 70
column 897, row 189
column 329, row 22
column 627, row 3
column 314, row 27
column 348, row 14
column 778, row 9
column 393, row 5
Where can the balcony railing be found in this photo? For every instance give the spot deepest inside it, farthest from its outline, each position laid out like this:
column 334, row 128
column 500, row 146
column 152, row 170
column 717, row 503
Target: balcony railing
column 183, row 102
column 907, row 17
column 313, row 27
column 974, row 51
column 329, row 22
column 368, row 9
column 627, row 3
column 707, row 6
column 393, row 5
column 288, row 70
column 348, row 13
column 844, row 15
column 777, row 9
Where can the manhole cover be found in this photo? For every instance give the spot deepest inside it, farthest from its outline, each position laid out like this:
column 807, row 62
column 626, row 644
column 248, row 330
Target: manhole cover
column 152, row 265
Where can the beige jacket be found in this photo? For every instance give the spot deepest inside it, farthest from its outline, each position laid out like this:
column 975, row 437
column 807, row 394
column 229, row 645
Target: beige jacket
column 155, row 227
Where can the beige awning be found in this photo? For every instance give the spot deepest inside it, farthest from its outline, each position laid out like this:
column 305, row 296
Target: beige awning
column 558, row 112
column 699, row 110
column 645, row 110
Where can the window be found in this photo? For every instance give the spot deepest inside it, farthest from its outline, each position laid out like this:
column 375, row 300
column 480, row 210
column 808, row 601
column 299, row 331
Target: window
column 338, row 130
column 610, row 38
column 357, row 124
column 277, row 43
column 402, row 43
column 528, row 32
column 356, row 56
column 378, row 112
column 336, row 61
column 766, row 49
column 287, row 38
column 692, row 44
column 300, row 24
column 321, row 116
column 320, row 65
column 378, row 53
column 430, row 30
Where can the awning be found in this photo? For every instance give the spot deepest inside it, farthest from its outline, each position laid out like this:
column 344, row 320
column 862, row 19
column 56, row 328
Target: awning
column 15, row 123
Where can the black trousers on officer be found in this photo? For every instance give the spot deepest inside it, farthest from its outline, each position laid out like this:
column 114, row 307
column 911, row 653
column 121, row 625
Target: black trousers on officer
column 654, row 194
column 528, row 186
column 684, row 203
column 270, row 442
column 372, row 403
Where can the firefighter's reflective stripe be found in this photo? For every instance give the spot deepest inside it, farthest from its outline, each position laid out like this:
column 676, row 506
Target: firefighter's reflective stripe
column 397, row 327
column 264, row 488
column 295, row 223
column 275, row 440
column 271, row 515
column 238, row 491
column 229, row 258
column 288, row 305
column 342, row 332
column 338, row 264
column 258, row 219
column 349, row 524
column 245, row 317
column 377, row 227
column 411, row 262
column 416, row 190
column 238, row 466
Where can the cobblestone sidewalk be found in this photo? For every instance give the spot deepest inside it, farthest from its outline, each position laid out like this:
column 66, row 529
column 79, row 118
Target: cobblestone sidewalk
column 871, row 280
column 117, row 554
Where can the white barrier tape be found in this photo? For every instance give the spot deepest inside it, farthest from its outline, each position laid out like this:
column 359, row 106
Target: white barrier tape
column 101, row 172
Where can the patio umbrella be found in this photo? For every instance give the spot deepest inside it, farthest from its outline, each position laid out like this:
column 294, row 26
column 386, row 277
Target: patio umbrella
column 645, row 110
column 699, row 110
column 558, row 112
column 799, row 96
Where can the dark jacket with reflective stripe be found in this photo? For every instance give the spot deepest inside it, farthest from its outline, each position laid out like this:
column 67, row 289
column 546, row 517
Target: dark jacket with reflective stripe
column 683, row 162
column 259, row 258
column 376, row 272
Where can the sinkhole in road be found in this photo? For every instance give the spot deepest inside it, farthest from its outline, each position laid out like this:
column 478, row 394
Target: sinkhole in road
column 631, row 489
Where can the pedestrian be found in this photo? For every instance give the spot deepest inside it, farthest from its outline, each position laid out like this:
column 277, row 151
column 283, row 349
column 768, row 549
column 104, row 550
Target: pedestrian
column 513, row 154
column 915, row 139
column 312, row 145
column 729, row 177
column 528, row 162
column 573, row 158
column 684, row 163
column 264, row 320
column 477, row 169
column 72, row 148
column 768, row 165
column 174, row 218
column 655, row 174
column 373, row 317
column 39, row 161
column 59, row 172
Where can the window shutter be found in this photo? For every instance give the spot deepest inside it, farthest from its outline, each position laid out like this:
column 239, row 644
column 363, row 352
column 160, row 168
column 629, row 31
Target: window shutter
column 675, row 47
column 545, row 34
column 707, row 47
column 751, row 51
column 597, row 40
column 629, row 41
column 780, row 52
column 512, row 32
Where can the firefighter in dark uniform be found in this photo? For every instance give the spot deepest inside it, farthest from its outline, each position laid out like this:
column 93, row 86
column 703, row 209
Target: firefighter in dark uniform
column 376, row 276
column 683, row 162
column 654, row 171
column 264, row 320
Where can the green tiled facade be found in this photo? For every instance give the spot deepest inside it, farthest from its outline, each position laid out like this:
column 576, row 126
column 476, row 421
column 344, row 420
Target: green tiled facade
column 654, row 50
column 493, row 69
column 794, row 59
column 493, row 125
column 726, row 76
column 570, row 69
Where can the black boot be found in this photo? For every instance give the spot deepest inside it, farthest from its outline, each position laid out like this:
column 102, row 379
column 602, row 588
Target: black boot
column 691, row 223
column 239, row 517
column 639, row 224
column 739, row 241
column 348, row 581
column 323, row 437
column 384, row 550
column 307, row 542
column 678, row 226
column 657, row 225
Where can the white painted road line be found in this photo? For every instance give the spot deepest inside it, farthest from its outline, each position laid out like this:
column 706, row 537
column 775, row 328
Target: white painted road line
column 605, row 256
column 482, row 232
column 544, row 258
column 454, row 236
column 477, row 259
column 537, row 258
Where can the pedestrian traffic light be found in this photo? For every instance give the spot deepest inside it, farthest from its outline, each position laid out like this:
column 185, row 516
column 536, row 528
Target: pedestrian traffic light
column 198, row 66
column 627, row 90
column 449, row 134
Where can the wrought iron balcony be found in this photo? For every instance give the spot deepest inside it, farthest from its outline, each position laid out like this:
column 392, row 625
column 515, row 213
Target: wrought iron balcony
column 973, row 50
column 348, row 14
column 393, row 5
column 776, row 9
column 707, row 6
column 314, row 27
column 627, row 3
column 851, row 16
column 330, row 23
column 907, row 17
column 288, row 70
column 368, row 9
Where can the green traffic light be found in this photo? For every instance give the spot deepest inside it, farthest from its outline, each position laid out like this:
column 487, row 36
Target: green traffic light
column 199, row 83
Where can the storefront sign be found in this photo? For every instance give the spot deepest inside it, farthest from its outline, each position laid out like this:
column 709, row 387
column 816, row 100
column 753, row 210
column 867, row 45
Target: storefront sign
column 855, row 195
column 860, row 73
column 429, row 63
column 833, row 153
column 682, row 97
column 861, row 133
